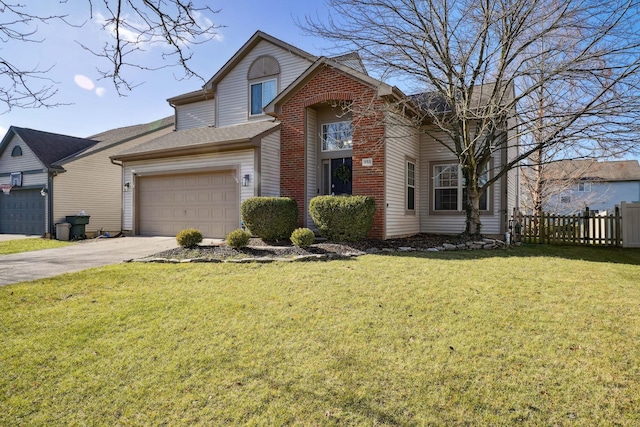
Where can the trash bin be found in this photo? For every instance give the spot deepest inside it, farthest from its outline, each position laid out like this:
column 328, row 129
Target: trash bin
column 62, row 231
column 77, row 226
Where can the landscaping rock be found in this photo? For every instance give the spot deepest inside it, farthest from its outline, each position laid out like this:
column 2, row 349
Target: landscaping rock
column 261, row 252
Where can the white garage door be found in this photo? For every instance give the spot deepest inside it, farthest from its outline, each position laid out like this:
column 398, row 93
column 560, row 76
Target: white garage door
column 170, row 203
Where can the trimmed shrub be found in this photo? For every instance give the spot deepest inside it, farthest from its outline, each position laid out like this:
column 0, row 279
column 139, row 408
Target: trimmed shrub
column 343, row 218
column 302, row 237
column 189, row 238
column 238, row 238
column 270, row 218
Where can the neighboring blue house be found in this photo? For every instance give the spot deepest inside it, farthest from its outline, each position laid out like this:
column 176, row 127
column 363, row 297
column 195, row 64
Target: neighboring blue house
column 599, row 186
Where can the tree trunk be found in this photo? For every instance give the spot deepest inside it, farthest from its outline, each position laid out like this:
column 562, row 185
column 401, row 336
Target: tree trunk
column 472, row 208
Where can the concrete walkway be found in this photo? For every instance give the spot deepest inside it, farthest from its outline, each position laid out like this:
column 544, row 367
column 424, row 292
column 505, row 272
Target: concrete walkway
column 34, row 265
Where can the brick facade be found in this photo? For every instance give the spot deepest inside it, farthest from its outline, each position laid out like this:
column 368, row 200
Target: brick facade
column 328, row 84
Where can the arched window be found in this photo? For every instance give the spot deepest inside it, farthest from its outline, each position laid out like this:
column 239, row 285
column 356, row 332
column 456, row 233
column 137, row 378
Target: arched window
column 263, row 83
column 16, row 152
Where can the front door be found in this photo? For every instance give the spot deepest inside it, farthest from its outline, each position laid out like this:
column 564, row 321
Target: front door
column 341, row 176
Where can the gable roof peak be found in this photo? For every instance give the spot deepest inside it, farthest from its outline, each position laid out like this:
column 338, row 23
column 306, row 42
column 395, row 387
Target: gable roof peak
column 256, row 38
column 48, row 147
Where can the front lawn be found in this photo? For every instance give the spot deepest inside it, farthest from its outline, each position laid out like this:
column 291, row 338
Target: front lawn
column 28, row 245
column 535, row 336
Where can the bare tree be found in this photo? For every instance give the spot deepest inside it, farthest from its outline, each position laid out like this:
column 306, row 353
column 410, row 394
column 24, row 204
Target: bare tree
column 132, row 26
column 477, row 65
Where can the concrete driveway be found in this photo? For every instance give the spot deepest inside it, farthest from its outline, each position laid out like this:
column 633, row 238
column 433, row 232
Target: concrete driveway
column 34, row 265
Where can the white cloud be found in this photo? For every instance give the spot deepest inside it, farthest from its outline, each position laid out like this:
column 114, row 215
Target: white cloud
column 84, row 82
column 100, row 91
column 3, row 132
column 131, row 34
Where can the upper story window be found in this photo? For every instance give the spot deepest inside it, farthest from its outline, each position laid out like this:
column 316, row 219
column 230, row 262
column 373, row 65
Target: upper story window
column 584, row 187
column 261, row 94
column 449, row 188
column 263, row 83
column 337, row 136
column 16, row 152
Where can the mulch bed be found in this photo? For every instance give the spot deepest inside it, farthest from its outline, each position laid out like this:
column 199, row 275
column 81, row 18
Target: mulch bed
column 283, row 249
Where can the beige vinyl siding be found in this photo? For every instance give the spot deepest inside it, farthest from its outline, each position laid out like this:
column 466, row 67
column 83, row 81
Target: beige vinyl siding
column 242, row 162
column 270, row 165
column 402, row 144
column 196, row 115
column 513, row 176
column 312, row 164
column 93, row 184
column 233, row 91
column 432, row 151
column 27, row 162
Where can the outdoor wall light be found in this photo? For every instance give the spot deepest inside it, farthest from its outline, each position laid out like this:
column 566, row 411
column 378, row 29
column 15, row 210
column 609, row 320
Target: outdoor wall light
column 126, row 187
column 44, row 191
column 245, row 180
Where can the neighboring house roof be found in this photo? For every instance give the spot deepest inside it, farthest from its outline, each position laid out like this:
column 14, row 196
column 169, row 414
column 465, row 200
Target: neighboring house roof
column 118, row 136
column 48, row 147
column 201, row 140
column 593, row 170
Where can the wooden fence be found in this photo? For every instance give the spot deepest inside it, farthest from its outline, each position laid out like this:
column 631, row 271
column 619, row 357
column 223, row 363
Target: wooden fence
column 587, row 228
column 630, row 224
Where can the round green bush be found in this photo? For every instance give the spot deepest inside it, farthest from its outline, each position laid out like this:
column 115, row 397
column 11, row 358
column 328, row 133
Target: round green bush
column 343, row 218
column 238, row 238
column 189, row 238
column 270, row 218
column 302, row 237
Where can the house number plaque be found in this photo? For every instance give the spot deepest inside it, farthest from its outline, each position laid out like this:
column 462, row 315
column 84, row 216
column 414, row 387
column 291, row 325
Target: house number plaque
column 367, row 162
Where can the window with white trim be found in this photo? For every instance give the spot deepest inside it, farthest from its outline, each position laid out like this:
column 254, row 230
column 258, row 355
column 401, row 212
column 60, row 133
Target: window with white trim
column 449, row 188
column 262, row 93
column 337, row 136
column 584, row 187
column 411, row 186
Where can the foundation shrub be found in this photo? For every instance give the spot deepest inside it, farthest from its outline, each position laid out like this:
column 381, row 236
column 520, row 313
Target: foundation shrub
column 270, row 218
column 343, row 218
column 302, row 237
column 238, row 238
column 189, row 238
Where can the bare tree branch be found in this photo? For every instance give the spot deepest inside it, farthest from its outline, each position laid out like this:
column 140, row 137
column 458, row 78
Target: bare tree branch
column 172, row 27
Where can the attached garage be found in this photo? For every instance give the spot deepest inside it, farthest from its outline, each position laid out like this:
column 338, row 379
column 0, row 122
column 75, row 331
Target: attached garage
column 22, row 211
column 207, row 201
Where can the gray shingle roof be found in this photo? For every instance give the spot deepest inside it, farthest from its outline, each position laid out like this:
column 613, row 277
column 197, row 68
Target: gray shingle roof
column 52, row 147
column 593, row 170
column 202, row 137
column 128, row 132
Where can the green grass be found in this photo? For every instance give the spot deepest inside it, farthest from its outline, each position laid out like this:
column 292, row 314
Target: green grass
column 535, row 336
column 28, row 245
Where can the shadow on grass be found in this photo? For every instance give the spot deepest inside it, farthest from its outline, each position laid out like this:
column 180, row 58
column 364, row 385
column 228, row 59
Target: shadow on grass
column 585, row 253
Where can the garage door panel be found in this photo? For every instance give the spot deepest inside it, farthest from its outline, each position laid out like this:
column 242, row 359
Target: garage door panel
column 169, row 204
column 22, row 212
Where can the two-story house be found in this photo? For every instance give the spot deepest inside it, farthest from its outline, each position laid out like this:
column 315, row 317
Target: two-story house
column 578, row 184
column 278, row 121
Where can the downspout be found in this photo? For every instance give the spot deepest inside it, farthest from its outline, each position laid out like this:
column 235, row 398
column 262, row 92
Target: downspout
column 49, row 195
column 121, row 192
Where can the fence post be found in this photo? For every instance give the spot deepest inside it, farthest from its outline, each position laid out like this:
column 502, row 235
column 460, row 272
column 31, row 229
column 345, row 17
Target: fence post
column 586, row 233
column 617, row 225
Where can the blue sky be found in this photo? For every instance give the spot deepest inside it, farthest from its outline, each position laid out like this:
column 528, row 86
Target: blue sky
column 95, row 104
